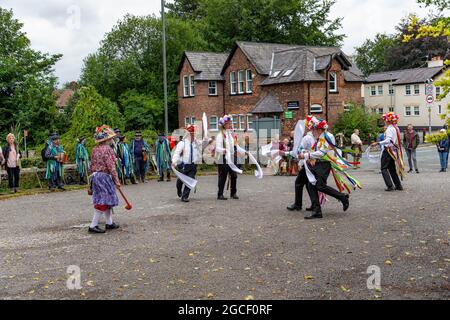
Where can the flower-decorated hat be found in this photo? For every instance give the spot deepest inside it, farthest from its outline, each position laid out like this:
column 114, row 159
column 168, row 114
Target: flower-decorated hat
column 323, row 124
column 103, row 133
column 224, row 120
column 311, row 122
column 191, row 128
column 390, row 117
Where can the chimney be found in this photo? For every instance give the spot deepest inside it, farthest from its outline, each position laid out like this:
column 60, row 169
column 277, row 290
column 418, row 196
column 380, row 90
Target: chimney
column 436, row 62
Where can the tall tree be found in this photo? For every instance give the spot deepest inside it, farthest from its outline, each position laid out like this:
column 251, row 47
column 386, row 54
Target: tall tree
column 130, row 58
column 371, row 56
column 185, row 9
column 27, row 82
column 223, row 22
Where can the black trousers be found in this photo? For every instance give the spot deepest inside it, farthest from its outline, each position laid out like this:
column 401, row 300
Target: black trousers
column 322, row 171
column 140, row 168
column 300, row 183
column 389, row 171
column 191, row 171
column 224, row 171
column 13, row 177
column 55, row 180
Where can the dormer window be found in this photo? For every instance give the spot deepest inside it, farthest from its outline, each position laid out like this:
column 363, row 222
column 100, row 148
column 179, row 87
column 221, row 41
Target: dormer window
column 288, row 73
column 275, row 74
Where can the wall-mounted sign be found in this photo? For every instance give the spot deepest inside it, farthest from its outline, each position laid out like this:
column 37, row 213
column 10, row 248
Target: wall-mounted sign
column 293, row 105
column 289, row 115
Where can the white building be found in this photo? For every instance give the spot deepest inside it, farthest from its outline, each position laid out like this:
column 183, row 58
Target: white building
column 403, row 92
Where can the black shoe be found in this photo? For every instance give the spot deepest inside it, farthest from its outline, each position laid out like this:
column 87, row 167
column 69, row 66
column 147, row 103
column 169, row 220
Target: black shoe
column 294, row 207
column 185, row 200
column 96, row 230
column 221, row 198
column 316, row 215
column 442, row 170
column 234, row 197
column 159, row 180
column 410, row 170
column 309, row 209
column 51, row 189
column 346, row 202
column 179, row 193
column 61, row 189
column 390, row 189
column 399, row 188
column 417, row 171
column 112, row 226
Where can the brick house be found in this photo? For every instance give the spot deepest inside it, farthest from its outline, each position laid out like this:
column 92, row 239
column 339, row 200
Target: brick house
column 283, row 82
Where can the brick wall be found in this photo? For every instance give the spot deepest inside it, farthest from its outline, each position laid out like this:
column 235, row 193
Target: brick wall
column 201, row 102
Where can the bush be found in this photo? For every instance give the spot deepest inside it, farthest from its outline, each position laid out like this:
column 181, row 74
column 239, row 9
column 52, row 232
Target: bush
column 357, row 118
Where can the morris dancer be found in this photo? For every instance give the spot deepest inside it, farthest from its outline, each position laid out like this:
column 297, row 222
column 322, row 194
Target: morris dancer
column 392, row 156
column 163, row 157
column 321, row 162
column 125, row 160
column 187, row 154
column 227, row 151
column 140, row 152
column 307, row 143
column 55, row 164
column 104, row 180
column 82, row 160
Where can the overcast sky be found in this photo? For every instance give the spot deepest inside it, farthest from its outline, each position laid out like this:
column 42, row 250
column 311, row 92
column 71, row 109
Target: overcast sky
column 74, row 28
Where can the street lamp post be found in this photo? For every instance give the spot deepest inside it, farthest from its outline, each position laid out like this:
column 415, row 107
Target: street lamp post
column 166, row 111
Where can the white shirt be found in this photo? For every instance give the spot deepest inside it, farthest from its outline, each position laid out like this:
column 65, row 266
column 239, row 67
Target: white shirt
column 229, row 143
column 390, row 137
column 308, row 141
column 356, row 139
column 324, row 147
column 182, row 153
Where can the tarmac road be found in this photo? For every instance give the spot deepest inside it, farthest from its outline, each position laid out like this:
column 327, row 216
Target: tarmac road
column 232, row 250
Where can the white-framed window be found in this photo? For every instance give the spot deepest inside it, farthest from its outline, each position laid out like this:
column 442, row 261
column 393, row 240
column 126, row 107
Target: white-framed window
column 346, row 108
column 212, row 88
column 241, row 122
column 235, row 122
column 192, row 86
column 408, row 90
column 391, row 109
column 241, row 82
column 333, row 82
column 275, row 74
column 213, row 123
column 288, row 72
column 380, row 90
column 438, row 91
column 316, row 108
column 233, row 82
column 380, row 110
column 417, row 111
column 249, row 122
column 373, row 91
column 391, row 90
column 186, row 86
column 374, row 110
column 193, row 119
column 249, row 81
column 187, row 121
column 408, row 112
column 416, row 89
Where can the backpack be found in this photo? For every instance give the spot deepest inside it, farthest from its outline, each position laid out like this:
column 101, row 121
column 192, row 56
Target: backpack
column 44, row 158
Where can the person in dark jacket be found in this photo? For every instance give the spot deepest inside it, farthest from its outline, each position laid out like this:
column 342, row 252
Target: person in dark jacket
column 411, row 141
column 443, row 149
column 11, row 156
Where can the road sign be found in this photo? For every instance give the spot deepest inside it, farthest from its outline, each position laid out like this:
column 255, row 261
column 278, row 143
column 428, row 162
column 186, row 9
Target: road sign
column 430, row 99
column 429, row 89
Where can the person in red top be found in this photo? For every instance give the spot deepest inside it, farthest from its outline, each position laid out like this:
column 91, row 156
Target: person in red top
column 104, row 179
column 411, row 141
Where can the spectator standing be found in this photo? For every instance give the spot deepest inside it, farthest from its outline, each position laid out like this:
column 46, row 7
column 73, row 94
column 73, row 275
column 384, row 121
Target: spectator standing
column 356, row 147
column 11, row 158
column 140, row 152
column 443, row 149
column 411, row 141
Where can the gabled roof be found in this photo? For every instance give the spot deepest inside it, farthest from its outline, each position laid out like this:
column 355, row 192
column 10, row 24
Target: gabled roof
column 207, row 65
column 407, row 76
column 268, row 104
column 305, row 63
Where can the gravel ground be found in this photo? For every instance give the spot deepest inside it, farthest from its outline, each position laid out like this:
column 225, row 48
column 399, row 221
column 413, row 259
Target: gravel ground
column 252, row 247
